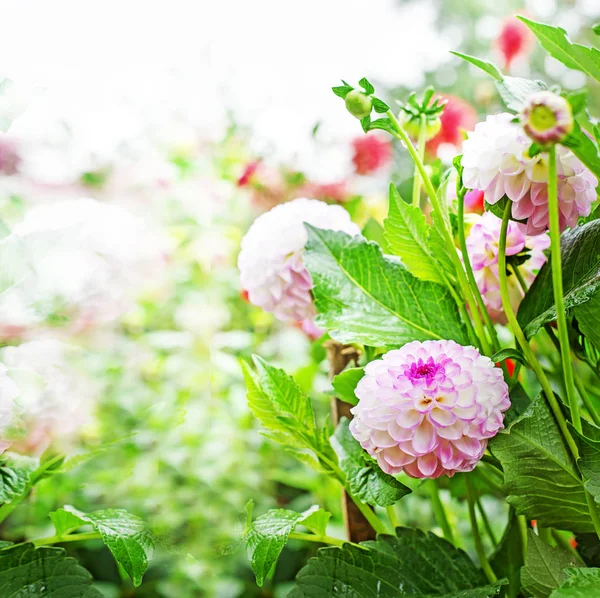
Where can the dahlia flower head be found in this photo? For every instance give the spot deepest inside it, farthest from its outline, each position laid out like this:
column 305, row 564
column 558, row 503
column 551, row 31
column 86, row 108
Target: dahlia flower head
column 496, row 161
column 271, row 267
column 483, row 244
column 429, row 408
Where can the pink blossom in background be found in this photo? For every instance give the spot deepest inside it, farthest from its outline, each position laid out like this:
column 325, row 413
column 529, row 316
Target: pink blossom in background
column 514, row 40
column 458, row 116
column 429, row 408
column 371, row 153
column 483, row 245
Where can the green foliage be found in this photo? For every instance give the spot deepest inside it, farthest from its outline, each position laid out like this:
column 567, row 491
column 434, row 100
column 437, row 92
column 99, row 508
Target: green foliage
column 406, row 231
column 508, row 558
column 543, row 569
column 589, row 457
column 541, row 480
column 125, row 535
column 509, row 353
column 286, row 412
column 584, row 148
column 580, row 253
column 364, row 477
column 362, row 296
column 409, row 564
column 28, row 571
column 515, row 90
column 268, row 534
column 345, row 383
column 574, row 56
column 580, row 583
column 15, row 475
column 488, row 67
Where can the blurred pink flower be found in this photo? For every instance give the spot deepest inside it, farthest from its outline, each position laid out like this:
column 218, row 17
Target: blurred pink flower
column 458, row 116
column 371, row 153
column 429, row 408
column 514, row 40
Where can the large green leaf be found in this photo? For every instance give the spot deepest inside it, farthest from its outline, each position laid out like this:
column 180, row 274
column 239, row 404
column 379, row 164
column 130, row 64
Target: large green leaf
column 286, row 412
column 508, row 558
column 540, row 477
column 365, row 478
column 580, row 252
column 543, row 570
column 488, row 67
column 268, row 534
column 589, row 457
column 125, row 535
column 15, row 475
column 515, row 90
column 574, row 56
column 28, row 571
column 345, row 383
column 406, row 231
column 411, row 563
column 362, row 296
column 580, row 583
column 584, row 148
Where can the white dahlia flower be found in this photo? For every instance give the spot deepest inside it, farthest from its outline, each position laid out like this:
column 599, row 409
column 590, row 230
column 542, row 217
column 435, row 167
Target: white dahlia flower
column 270, row 261
column 496, row 161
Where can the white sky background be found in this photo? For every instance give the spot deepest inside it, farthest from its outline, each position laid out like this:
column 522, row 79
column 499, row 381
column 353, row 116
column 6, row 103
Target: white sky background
column 114, row 67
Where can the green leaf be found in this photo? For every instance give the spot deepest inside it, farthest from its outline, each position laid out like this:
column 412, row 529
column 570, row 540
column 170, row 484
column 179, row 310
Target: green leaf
column 584, row 148
column 64, row 521
column 589, row 458
column 596, row 29
column 515, row 90
column 406, row 231
column 345, row 383
column 342, row 91
column 580, row 252
column 408, row 564
column 574, row 56
column 543, row 570
column 28, row 571
column 269, row 533
column 488, row 67
column 541, row 480
column 15, row 475
column 362, row 296
column 382, row 123
column 509, row 353
column 364, row 83
column 580, row 583
column 507, row 559
column 577, row 99
column 125, row 535
column 285, row 411
column 365, row 123
column 439, row 246
column 373, row 231
column 364, row 476
column 380, row 106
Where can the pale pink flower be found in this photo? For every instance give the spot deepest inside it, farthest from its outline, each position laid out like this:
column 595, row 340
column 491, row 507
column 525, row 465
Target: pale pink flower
column 482, row 247
column 546, row 117
column 496, row 161
column 271, row 266
column 429, row 408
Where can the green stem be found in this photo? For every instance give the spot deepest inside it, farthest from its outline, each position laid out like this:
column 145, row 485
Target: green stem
column 322, row 539
column 400, row 134
column 421, row 153
column 557, row 283
column 469, row 270
column 392, row 516
column 486, row 522
column 525, row 347
column 67, row 538
column 483, row 560
column 522, row 524
column 562, row 541
column 545, row 534
column 589, row 405
column 439, row 511
column 519, row 278
column 532, row 359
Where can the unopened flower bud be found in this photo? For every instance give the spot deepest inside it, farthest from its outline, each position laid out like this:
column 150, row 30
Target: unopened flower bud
column 358, row 104
column 412, row 125
column 547, row 117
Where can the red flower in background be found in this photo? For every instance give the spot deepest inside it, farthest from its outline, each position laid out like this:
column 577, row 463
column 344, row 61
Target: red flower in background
column 474, row 201
column 458, row 116
column 371, row 153
column 248, row 173
column 337, row 192
column 514, row 40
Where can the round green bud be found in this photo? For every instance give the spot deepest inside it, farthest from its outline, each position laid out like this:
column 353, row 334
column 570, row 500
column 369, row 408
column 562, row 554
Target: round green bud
column 358, row 104
column 412, row 125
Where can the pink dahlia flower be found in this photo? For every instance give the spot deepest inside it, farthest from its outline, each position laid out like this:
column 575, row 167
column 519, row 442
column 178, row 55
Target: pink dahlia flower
column 371, row 153
column 482, row 247
column 496, row 161
column 270, row 261
column 429, row 408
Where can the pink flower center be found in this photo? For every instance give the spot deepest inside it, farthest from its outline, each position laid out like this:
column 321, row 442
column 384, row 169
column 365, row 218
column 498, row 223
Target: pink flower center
column 424, row 370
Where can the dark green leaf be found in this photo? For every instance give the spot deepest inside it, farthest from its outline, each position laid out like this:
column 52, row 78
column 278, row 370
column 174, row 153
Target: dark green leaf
column 543, row 570
column 365, row 123
column 574, row 56
column 380, row 106
column 409, row 564
column 589, row 458
column 515, row 90
column 406, row 231
column 580, row 583
column 364, row 477
column 364, row 83
column 15, row 475
column 541, row 480
column 285, row 411
column 362, row 296
column 125, row 535
column 507, row 559
column 28, row 571
column 509, row 353
column 580, row 252
column 345, row 383
column 268, row 534
column 488, row 67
